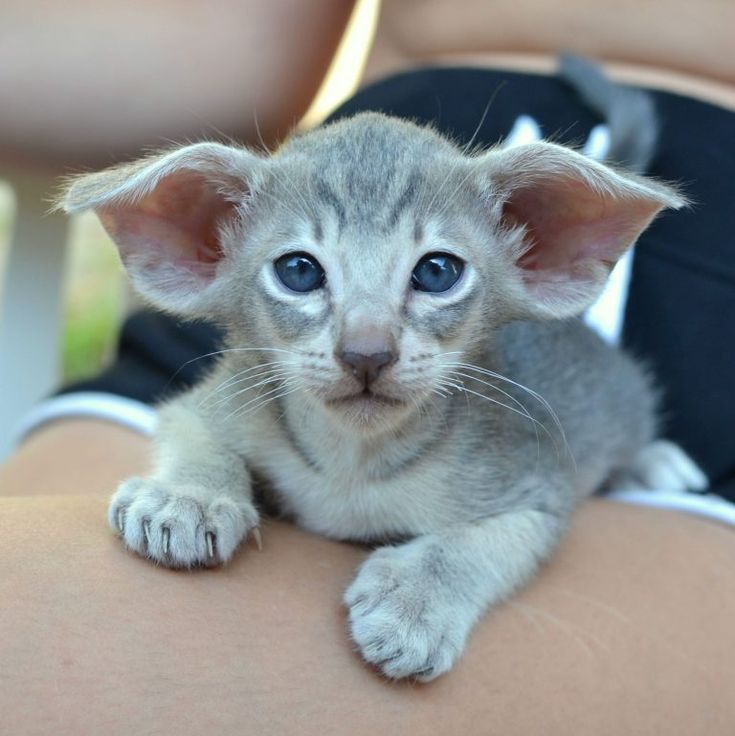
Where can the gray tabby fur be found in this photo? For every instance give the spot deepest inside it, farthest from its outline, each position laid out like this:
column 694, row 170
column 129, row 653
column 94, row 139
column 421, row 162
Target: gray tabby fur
column 456, row 465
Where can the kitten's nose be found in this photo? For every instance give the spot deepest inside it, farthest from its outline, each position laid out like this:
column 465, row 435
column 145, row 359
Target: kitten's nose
column 366, row 368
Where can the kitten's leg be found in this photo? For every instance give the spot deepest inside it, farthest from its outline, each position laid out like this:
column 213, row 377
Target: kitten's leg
column 197, row 506
column 660, row 466
column 411, row 607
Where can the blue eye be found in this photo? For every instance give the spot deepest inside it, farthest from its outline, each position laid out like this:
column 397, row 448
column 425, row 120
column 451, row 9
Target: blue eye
column 436, row 272
column 300, row 272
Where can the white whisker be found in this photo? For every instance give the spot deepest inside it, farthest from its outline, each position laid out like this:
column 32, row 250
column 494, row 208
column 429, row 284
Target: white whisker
column 554, row 416
column 464, row 388
column 240, row 375
column 257, row 407
column 240, row 409
column 268, row 379
column 256, row 372
column 491, row 385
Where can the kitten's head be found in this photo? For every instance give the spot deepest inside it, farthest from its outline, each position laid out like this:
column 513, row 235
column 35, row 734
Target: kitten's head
column 372, row 254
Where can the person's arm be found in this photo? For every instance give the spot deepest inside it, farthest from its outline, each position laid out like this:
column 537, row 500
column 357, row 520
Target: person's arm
column 88, row 83
column 74, row 456
column 627, row 630
column 670, row 45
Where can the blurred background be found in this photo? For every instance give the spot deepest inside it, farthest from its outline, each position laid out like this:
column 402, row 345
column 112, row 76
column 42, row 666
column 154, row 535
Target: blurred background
column 94, row 290
column 94, row 293
column 86, row 84
column 136, row 82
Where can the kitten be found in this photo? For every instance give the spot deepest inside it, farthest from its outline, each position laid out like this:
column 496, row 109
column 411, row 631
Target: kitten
column 403, row 365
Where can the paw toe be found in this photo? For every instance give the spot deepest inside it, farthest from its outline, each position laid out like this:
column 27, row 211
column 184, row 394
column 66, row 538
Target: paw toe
column 176, row 528
column 665, row 466
column 177, row 533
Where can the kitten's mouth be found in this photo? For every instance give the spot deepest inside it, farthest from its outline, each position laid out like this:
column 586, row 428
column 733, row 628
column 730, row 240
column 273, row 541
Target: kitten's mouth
column 365, row 398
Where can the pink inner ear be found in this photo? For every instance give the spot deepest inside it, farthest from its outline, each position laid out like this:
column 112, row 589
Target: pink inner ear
column 574, row 235
column 175, row 228
column 568, row 223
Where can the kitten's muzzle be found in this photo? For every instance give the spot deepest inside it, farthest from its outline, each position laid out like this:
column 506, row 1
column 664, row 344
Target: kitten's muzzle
column 366, row 368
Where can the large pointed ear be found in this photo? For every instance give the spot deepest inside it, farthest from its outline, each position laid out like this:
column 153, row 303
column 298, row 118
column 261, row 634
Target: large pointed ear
column 170, row 216
column 567, row 220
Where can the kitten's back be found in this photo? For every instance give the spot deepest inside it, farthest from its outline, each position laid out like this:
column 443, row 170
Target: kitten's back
column 602, row 396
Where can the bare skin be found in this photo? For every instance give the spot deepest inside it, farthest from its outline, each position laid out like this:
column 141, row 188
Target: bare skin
column 675, row 46
column 121, row 76
column 627, row 630
column 118, row 78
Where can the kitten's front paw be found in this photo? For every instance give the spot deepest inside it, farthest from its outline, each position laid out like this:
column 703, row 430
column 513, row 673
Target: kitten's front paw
column 403, row 619
column 180, row 526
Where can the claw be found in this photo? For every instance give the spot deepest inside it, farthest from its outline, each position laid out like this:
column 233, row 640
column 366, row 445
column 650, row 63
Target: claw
column 120, row 521
column 258, row 539
column 210, row 544
column 166, row 539
column 393, row 658
column 357, row 601
column 147, row 532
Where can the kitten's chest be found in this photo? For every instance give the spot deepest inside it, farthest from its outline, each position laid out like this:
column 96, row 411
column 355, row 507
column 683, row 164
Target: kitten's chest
column 341, row 493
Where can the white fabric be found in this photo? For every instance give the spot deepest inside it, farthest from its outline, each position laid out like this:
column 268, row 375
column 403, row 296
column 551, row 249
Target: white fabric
column 598, row 143
column 606, row 315
column 119, row 409
column 525, row 130
column 707, row 504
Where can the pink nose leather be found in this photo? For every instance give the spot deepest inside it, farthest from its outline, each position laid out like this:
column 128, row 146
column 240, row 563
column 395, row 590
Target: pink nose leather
column 366, row 368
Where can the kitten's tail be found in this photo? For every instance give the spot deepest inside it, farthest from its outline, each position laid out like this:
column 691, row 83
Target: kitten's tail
column 629, row 113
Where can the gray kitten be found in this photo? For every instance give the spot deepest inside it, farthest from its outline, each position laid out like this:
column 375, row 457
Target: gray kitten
column 404, row 365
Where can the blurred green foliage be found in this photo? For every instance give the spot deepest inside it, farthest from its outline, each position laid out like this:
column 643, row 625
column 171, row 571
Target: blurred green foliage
column 93, row 301
column 94, row 293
